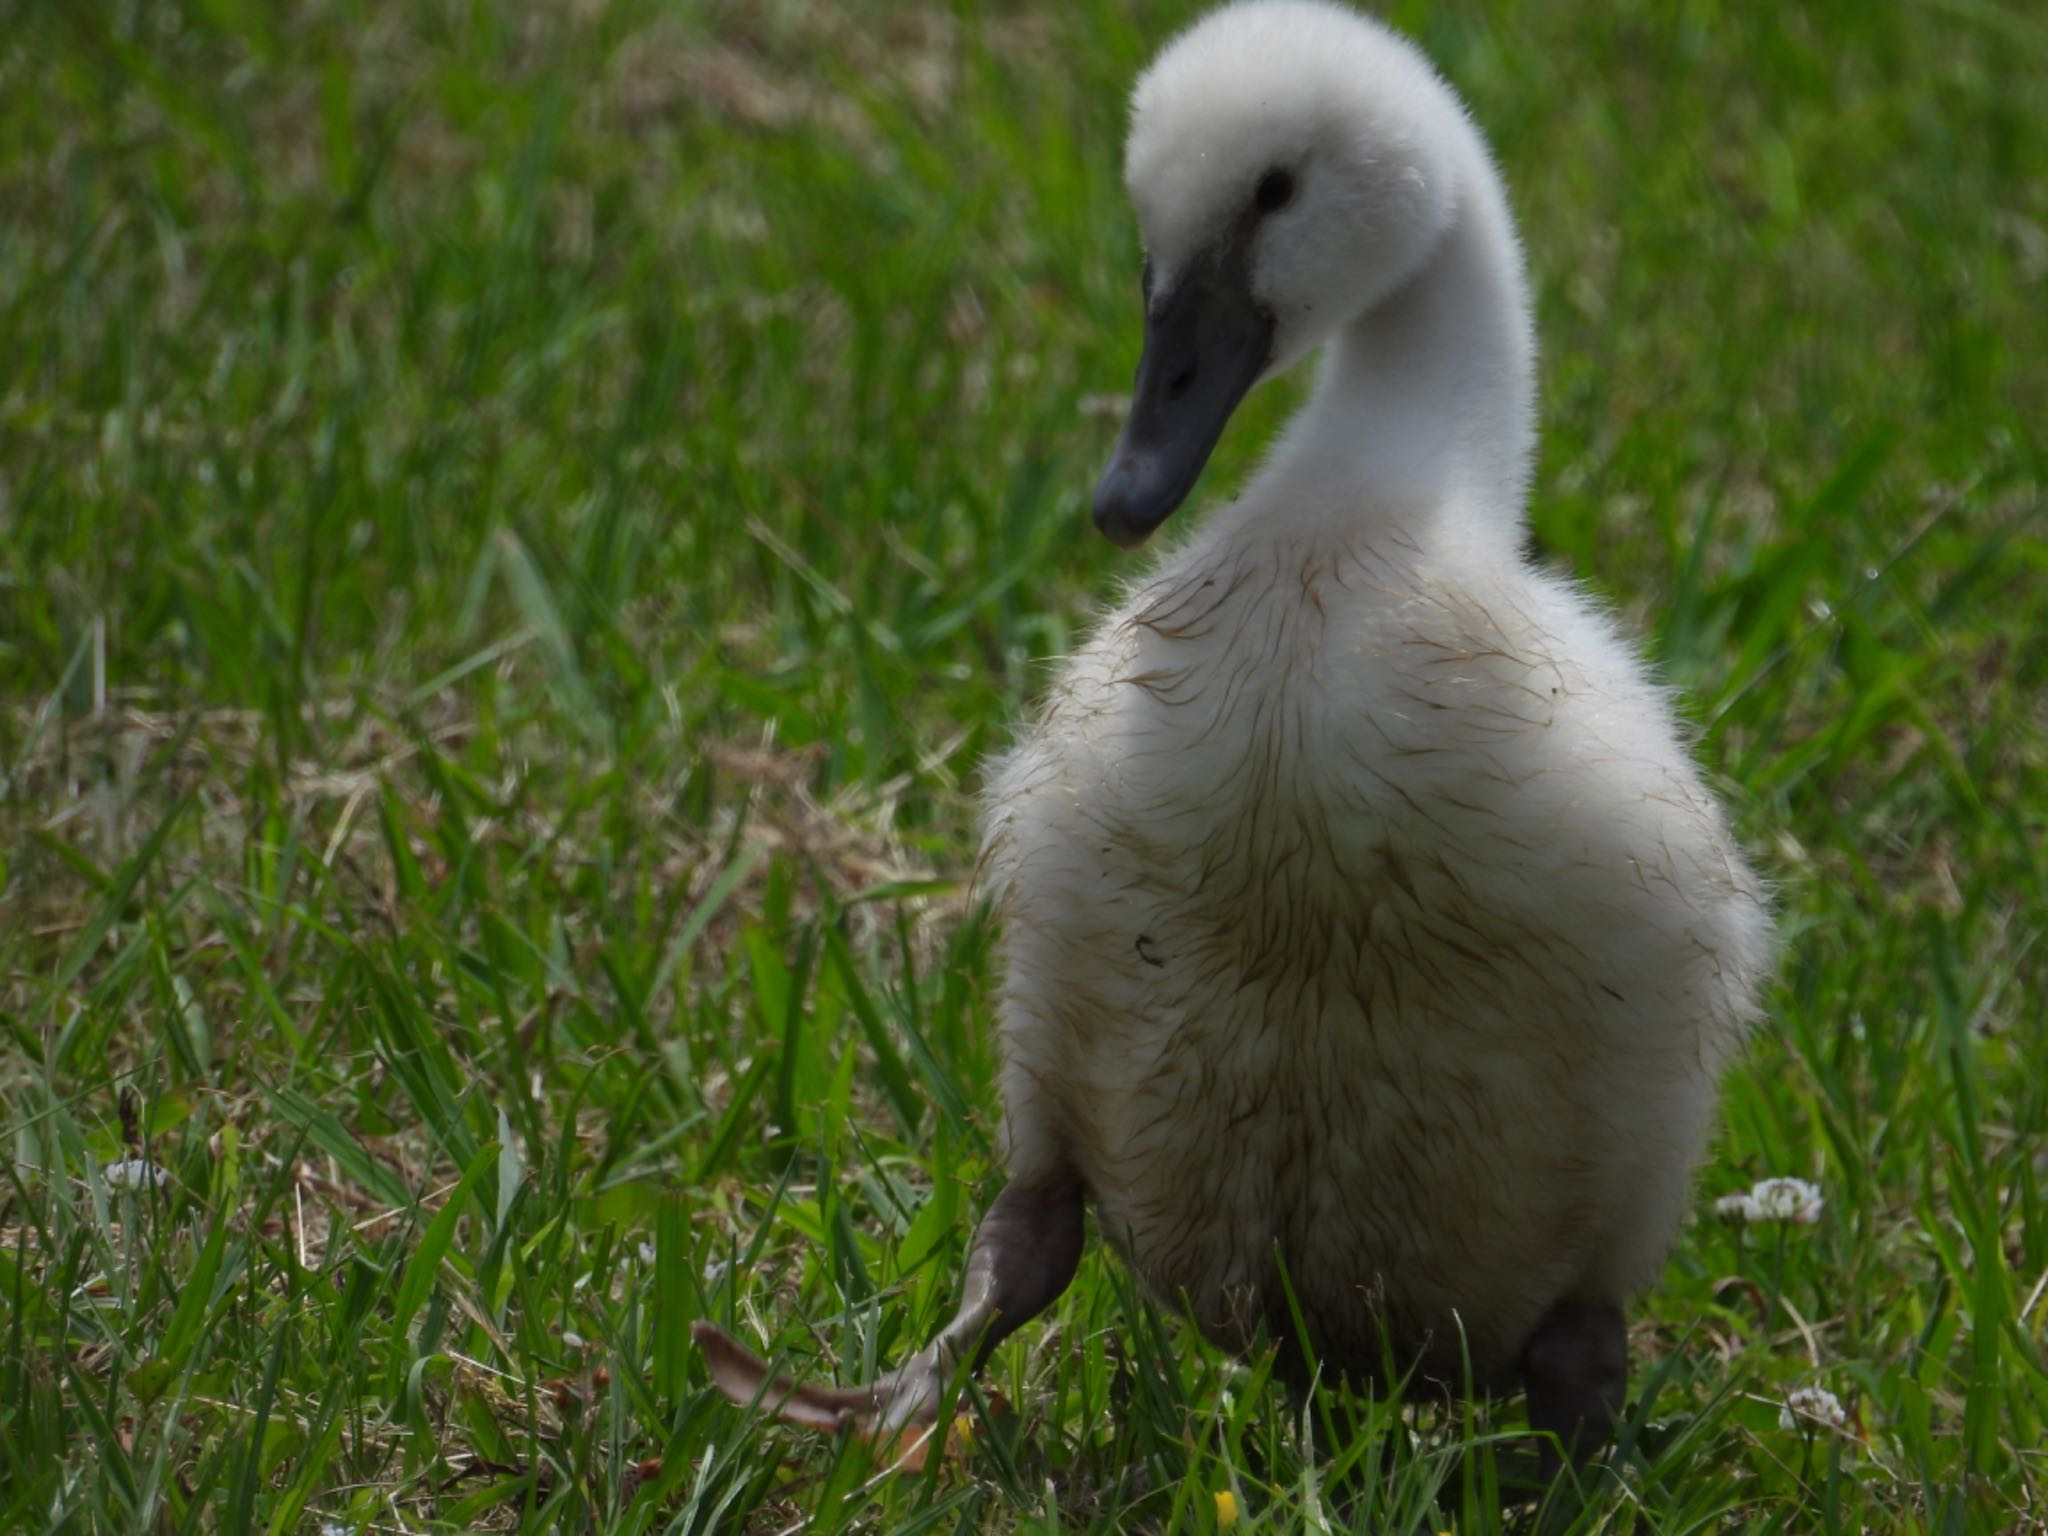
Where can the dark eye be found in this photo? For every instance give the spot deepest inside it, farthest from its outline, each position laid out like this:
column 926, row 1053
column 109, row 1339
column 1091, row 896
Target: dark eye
column 1276, row 190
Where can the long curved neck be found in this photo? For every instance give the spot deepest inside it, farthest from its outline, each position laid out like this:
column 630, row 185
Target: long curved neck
column 1428, row 399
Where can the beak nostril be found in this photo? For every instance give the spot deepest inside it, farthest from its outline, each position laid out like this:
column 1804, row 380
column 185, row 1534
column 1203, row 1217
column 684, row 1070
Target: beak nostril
column 1182, row 383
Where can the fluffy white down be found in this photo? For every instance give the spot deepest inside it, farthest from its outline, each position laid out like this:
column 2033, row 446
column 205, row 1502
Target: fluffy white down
column 1363, row 910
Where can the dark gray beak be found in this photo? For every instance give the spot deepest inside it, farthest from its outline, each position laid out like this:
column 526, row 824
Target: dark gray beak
column 1206, row 344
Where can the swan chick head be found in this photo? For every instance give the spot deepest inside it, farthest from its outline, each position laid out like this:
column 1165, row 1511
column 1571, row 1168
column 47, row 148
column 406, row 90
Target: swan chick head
column 1292, row 164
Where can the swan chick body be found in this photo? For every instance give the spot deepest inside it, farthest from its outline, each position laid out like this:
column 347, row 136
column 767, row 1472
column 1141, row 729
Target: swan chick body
column 1366, row 920
column 1369, row 935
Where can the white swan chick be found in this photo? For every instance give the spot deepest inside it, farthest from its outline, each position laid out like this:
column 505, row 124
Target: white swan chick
column 1369, row 933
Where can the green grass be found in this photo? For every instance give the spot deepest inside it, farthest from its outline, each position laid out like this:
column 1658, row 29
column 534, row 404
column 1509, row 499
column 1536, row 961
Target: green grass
column 518, row 523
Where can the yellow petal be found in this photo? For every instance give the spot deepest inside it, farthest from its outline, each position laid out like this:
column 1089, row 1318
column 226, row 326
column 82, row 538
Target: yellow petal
column 1226, row 1510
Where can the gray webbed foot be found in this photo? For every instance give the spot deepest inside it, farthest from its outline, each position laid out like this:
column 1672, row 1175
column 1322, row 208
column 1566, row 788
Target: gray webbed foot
column 1025, row 1253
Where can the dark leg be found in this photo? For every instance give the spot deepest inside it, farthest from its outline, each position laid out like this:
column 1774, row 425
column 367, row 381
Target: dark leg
column 1025, row 1253
column 1575, row 1366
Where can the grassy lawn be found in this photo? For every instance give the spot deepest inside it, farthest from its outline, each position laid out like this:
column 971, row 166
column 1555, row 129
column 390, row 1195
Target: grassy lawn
column 519, row 523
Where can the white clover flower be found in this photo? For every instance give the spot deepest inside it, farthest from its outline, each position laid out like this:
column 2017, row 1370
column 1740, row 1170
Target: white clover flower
column 1793, row 1200
column 1812, row 1405
column 134, row 1173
